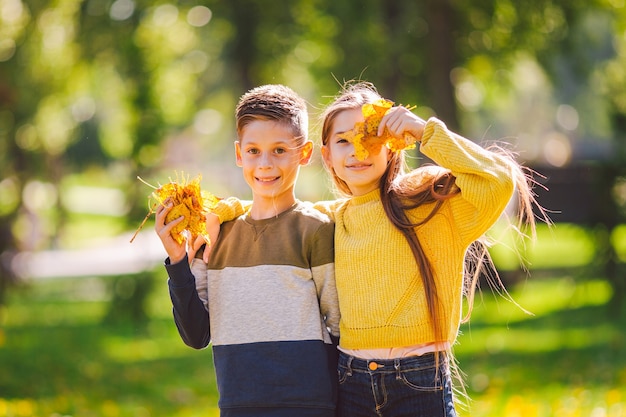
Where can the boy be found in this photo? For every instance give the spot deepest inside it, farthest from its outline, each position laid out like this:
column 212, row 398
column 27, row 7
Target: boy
column 267, row 299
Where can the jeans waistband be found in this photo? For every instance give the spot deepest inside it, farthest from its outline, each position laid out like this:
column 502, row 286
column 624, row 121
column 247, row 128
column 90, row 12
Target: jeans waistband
column 410, row 363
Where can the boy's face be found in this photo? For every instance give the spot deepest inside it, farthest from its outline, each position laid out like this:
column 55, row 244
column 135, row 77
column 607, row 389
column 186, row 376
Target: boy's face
column 270, row 158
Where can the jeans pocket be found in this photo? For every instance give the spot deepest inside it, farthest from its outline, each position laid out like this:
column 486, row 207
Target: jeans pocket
column 422, row 379
column 343, row 374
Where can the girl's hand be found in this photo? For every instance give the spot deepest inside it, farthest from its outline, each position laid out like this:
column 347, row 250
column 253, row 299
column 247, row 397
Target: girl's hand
column 213, row 230
column 194, row 247
column 400, row 121
column 176, row 251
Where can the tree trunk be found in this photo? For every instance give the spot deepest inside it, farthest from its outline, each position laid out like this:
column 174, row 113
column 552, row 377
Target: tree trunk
column 441, row 55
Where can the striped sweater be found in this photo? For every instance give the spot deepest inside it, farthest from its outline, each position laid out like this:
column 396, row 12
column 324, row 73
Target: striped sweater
column 266, row 303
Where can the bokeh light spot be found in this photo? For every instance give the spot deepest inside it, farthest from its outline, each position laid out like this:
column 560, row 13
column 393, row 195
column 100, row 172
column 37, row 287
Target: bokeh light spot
column 9, row 191
column 83, row 109
column 567, row 117
column 207, row 121
column 165, row 15
column 199, row 16
column 122, row 9
column 39, row 195
column 7, row 49
column 557, row 149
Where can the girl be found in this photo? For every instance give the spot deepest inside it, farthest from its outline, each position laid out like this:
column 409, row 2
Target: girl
column 401, row 241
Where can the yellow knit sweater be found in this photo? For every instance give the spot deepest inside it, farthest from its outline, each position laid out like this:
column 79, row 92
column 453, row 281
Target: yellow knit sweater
column 381, row 296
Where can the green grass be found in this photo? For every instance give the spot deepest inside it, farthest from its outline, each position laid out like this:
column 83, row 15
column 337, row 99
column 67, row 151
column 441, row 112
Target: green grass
column 565, row 360
column 60, row 357
column 559, row 246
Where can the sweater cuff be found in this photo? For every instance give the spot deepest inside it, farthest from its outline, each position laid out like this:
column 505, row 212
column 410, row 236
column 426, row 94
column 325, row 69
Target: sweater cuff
column 432, row 128
column 179, row 273
column 228, row 209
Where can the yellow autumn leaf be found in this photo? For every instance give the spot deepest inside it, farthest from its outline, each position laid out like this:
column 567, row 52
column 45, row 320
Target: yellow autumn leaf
column 364, row 135
column 188, row 201
column 176, row 212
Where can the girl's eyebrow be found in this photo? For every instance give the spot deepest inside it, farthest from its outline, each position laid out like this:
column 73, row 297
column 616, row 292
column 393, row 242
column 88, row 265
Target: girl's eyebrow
column 341, row 132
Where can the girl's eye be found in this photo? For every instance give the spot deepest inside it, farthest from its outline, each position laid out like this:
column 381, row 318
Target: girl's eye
column 280, row 150
column 341, row 140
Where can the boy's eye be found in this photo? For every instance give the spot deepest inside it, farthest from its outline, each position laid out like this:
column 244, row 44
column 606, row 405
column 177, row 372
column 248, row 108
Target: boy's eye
column 253, row 151
column 280, row 150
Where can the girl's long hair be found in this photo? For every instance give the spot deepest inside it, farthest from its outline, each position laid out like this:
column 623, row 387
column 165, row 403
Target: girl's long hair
column 434, row 185
column 397, row 196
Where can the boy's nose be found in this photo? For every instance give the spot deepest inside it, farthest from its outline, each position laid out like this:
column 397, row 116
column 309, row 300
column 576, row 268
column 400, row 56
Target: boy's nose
column 266, row 160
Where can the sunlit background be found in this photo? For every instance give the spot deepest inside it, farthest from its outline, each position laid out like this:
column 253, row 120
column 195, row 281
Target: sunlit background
column 96, row 93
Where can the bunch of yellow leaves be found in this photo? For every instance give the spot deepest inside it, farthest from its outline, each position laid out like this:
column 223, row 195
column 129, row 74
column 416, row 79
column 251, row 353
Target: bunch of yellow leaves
column 189, row 201
column 365, row 137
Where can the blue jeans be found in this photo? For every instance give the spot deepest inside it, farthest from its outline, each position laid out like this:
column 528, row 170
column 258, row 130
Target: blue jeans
column 406, row 387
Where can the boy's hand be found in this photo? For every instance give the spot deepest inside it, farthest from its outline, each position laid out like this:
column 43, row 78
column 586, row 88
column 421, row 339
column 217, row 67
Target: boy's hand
column 400, row 121
column 176, row 251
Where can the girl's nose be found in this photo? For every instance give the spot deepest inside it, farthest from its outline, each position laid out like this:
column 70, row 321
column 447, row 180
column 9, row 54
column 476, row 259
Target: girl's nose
column 352, row 151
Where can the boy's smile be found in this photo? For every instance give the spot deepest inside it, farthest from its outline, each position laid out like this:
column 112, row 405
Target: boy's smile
column 270, row 157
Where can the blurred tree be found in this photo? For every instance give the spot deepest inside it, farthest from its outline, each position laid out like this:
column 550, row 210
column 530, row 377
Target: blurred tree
column 611, row 76
column 84, row 85
column 96, row 92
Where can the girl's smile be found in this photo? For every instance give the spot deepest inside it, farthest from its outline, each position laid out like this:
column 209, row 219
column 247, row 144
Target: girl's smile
column 358, row 166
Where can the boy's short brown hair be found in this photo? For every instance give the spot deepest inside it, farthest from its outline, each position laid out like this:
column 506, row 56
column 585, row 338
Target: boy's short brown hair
column 274, row 102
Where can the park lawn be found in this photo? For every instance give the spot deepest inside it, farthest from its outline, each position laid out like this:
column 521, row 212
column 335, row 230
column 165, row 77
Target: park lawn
column 59, row 359
column 565, row 360
column 59, row 356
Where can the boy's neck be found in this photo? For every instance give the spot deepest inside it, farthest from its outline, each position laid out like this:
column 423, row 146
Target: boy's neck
column 265, row 208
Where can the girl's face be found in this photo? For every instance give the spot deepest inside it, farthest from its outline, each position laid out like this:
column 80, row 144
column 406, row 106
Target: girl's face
column 270, row 157
column 338, row 153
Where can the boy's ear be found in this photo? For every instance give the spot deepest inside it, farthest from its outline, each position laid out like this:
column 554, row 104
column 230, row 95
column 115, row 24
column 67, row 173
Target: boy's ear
column 307, row 152
column 238, row 153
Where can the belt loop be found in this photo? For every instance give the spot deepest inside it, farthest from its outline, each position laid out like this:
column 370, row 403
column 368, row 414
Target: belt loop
column 396, row 365
column 349, row 365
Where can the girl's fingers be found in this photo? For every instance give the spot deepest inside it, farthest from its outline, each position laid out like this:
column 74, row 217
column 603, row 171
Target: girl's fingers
column 213, row 230
column 206, row 253
column 193, row 247
column 197, row 244
column 399, row 121
column 393, row 120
